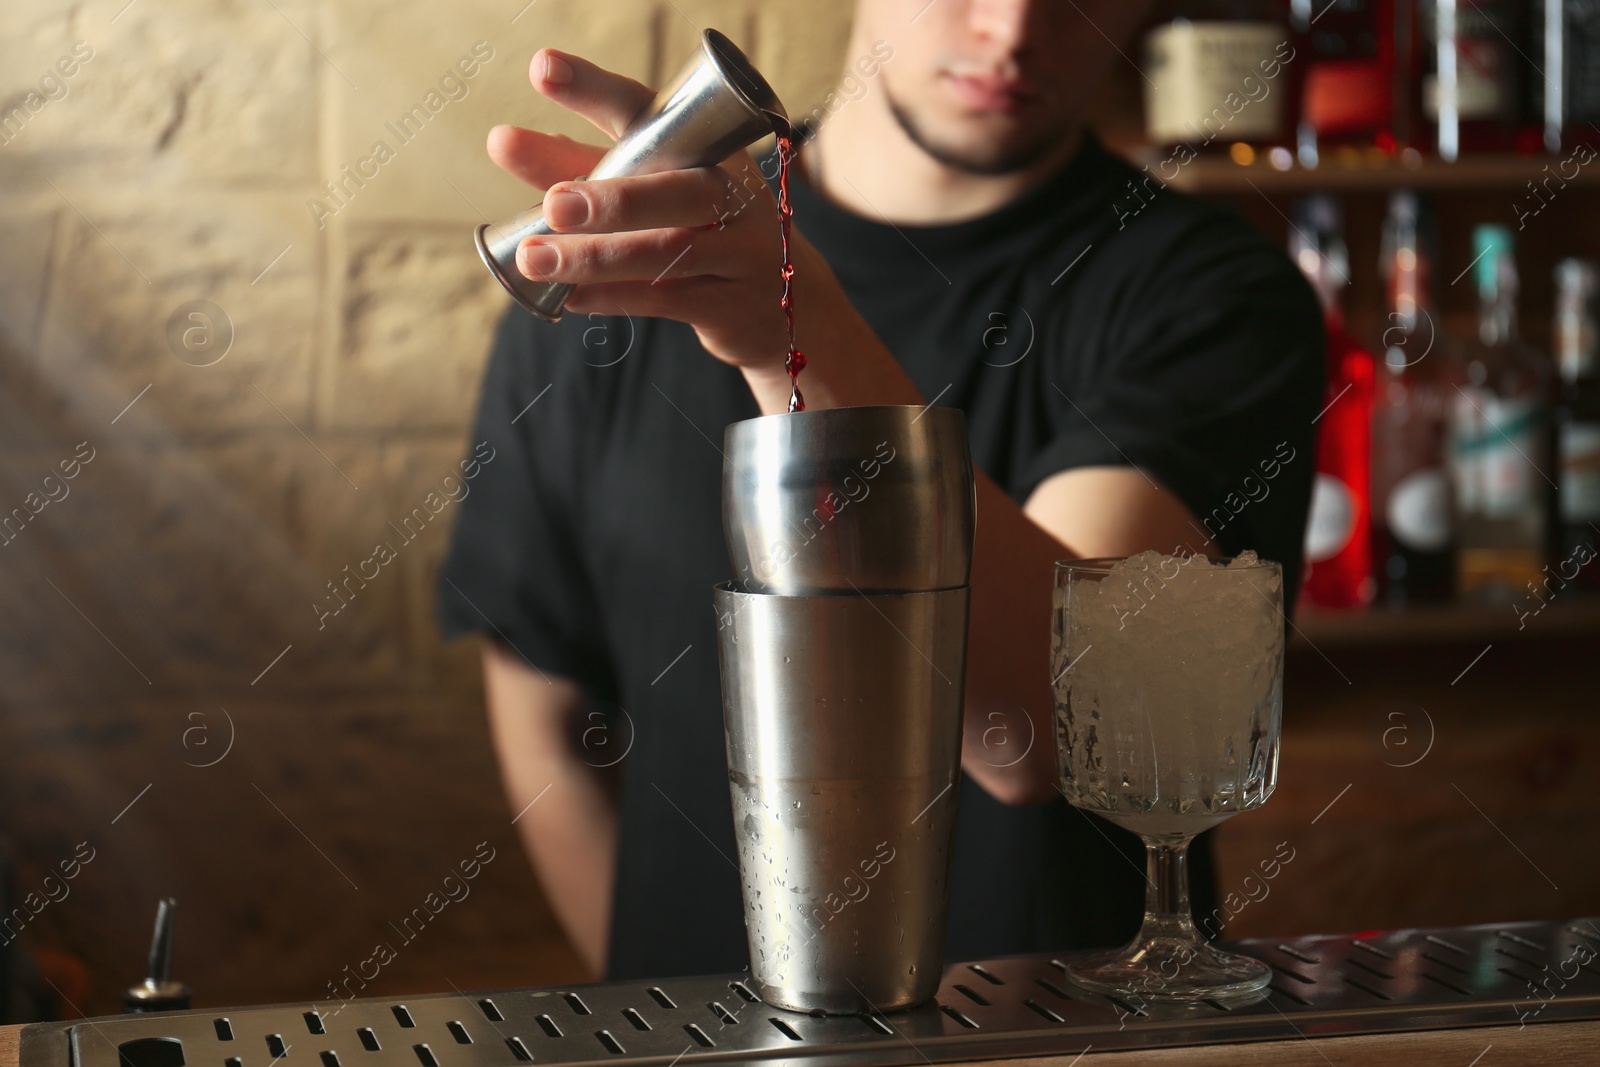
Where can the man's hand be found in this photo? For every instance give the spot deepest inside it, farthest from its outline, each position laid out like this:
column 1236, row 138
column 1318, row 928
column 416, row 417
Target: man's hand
column 700, row 246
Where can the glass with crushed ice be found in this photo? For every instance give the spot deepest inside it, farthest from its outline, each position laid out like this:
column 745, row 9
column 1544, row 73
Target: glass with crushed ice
column 1168, row 683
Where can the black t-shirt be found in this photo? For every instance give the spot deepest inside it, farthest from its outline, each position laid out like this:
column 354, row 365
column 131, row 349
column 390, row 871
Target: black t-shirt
column 1072, row 327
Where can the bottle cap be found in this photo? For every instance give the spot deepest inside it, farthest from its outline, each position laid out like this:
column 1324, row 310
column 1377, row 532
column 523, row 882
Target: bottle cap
column 1580, row 277
column 1490, row 246
column 1316, row 243
column 1404, row 207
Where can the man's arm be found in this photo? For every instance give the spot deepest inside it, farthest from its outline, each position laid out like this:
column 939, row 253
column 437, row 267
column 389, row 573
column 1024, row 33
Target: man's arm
column 568, row 822
column 1082, row 513
column 1085, row 513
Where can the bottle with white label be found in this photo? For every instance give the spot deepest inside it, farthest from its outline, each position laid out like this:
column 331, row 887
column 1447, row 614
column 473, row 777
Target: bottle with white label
column 1577, row 344
column 1413, row 530
column 1219, row 76
column 1564, row 47
column 1338, row 543
column 1500, row 467
column 1469, row 84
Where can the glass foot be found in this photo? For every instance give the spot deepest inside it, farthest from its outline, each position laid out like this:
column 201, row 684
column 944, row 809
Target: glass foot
column 1171, row 970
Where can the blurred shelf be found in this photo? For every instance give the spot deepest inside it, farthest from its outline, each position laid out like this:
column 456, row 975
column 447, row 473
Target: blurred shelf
column 1446, row 624
column 1220, row 175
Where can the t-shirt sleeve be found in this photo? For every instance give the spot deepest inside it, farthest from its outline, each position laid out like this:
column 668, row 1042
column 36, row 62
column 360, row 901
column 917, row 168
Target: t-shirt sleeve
column 1213, row 374
column 514, row 570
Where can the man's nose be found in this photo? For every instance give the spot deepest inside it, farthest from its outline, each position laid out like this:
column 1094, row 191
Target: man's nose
column 1005, row 22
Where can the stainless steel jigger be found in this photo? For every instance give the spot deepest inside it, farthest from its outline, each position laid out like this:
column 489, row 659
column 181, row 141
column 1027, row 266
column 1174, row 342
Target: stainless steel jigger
column 843, row 657
column 716, row 105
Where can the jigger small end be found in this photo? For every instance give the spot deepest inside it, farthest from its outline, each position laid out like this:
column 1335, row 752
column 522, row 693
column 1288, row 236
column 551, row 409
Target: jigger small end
column 510, row 281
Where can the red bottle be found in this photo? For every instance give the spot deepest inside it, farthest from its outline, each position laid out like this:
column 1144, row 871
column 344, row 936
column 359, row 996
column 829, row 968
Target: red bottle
column 1338, row 570
column 1348, row 96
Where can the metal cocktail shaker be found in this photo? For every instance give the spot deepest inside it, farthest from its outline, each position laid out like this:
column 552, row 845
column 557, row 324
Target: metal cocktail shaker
column 843, row 718
column 842, row 695
column 849, row 500
column 716, row 105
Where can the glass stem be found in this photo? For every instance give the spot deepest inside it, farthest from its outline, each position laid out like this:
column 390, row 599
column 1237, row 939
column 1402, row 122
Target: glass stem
column 1166, row 907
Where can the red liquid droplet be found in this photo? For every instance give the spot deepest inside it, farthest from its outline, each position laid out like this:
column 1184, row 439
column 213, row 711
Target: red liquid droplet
column 795, row 361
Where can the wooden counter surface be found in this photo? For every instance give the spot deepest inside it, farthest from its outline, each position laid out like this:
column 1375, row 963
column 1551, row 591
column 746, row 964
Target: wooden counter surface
column 1533, row 1046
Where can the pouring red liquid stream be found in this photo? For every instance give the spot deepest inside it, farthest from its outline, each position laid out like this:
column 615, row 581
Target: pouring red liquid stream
column 795, row 361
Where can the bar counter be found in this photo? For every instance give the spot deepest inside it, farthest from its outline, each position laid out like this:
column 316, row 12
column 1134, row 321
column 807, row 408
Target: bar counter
column 1459, row 996
column 1533, row 1046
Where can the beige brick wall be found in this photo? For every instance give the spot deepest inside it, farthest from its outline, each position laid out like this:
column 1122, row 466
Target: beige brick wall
column 138, row 611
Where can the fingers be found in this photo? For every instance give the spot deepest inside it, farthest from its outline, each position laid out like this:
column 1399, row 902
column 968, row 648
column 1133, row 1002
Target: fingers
column 608, row 100
column 754, row 332
column 691, row 300
column 648, row 256
column 682, row 299
column 541, row 159
column 704, row 196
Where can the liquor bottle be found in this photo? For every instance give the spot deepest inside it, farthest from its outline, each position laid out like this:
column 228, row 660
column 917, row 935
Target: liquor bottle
column 1219, row 76
column 1413, row 536
column 1410, row 132
column 1564, row 47
column 1338, row 533
column 1577, row 345
column 1347, row 95
column 1497, row 438
column 1469, row 85
column 1582, row 64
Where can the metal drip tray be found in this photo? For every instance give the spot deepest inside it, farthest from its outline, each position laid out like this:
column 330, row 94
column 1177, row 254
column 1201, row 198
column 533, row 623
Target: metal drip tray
column 1324, row 986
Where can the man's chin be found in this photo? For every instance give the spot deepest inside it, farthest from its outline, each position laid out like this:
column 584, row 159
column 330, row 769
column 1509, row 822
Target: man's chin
column 984, row 153
column 989, row 143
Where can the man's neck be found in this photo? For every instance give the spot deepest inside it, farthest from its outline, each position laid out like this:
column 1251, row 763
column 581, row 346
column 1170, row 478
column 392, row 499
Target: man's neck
column 862, row 160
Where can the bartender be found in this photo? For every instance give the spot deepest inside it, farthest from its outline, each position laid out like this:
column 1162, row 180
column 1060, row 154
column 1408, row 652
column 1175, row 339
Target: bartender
column 1125, row 363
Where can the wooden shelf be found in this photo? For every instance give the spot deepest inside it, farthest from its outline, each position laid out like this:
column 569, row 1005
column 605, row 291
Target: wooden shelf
column 1220, row 175
column 1445, row 624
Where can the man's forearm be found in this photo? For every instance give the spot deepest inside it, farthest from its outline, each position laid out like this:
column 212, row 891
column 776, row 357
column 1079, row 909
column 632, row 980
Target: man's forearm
column 571, row 834
column 848, row 365
column 567, row 821
column 1009, row 642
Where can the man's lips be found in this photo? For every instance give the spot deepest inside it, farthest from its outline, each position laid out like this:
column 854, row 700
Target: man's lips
column 986, row 92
